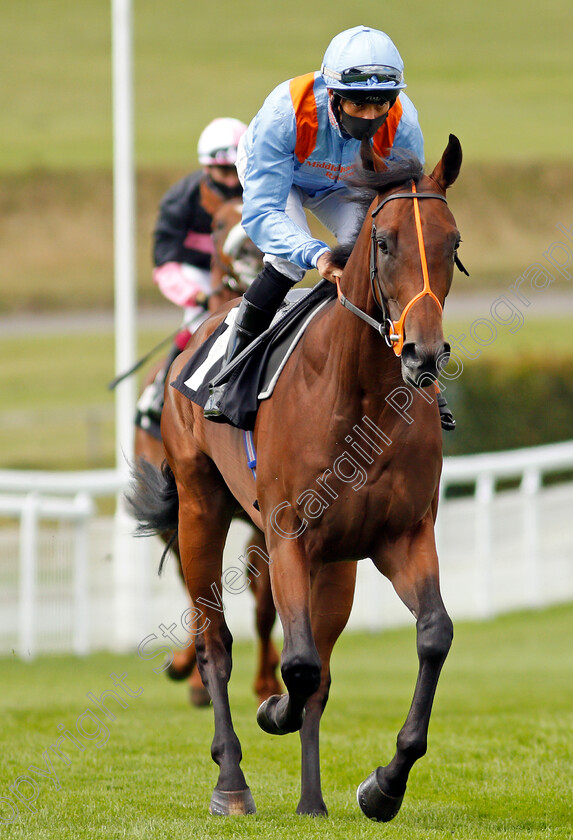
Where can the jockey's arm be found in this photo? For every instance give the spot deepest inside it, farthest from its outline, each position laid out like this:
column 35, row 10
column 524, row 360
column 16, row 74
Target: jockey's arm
column 270, row 144
column 182, row 284
column 181, row 252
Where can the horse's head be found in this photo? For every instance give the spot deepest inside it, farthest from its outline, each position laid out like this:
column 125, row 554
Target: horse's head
column 413, row 245
column 237, row 260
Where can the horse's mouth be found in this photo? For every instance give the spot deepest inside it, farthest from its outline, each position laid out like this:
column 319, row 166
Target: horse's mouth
column 420, row 379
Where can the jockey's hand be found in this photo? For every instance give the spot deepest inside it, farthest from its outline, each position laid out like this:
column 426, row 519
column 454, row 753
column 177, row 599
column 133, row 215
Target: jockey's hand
column 201, row 299
column 327, row 269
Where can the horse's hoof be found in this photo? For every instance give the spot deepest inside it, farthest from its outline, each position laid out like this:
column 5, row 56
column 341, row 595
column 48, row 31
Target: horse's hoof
column 199, row 696
column 266, row 716
column 179, row 673
column 232, row 803
column 376, row 804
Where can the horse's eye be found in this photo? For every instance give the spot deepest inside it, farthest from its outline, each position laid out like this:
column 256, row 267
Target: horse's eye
column 457, row 244
column 383, row 245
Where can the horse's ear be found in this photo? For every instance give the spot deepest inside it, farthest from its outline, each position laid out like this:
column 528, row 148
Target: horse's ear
column 448, row 168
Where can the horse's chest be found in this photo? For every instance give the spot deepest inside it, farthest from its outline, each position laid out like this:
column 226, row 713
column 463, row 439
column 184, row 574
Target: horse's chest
column 347, row 521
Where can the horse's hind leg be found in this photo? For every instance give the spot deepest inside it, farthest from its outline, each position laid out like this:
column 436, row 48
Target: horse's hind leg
column 414, row 574
column 184, row 666
column 184, row 660
column 205, row 512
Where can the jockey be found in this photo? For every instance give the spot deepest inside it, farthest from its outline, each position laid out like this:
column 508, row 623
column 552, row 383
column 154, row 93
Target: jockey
column 297, row 154
column 183, row 246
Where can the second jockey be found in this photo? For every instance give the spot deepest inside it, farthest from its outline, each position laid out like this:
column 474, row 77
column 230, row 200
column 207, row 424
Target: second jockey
column 183, row 245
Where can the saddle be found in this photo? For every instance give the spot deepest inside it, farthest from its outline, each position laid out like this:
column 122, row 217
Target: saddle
column 251, row 377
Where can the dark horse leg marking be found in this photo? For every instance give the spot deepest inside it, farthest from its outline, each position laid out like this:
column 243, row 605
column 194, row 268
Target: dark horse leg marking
column 380, row 795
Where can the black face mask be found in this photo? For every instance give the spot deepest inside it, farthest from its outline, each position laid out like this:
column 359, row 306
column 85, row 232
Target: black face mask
column 358, row 127
column 225, row 191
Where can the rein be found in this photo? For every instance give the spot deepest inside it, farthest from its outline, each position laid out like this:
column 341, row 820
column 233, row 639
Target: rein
column 393, row 331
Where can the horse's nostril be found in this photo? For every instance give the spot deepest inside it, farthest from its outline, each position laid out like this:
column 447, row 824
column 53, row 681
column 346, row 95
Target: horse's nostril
column 443, row 357
column 410, row 354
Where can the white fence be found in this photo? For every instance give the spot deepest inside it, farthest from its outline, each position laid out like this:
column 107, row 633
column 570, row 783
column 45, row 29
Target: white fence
column 73, row 581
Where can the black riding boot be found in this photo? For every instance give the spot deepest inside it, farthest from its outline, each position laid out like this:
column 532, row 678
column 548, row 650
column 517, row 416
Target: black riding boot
column 256, row 311
column 446, row 416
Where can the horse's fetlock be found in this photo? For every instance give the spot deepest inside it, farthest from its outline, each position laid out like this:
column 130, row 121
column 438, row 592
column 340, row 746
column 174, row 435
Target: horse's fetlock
column 221, row 749
column 301, row 678
column 412, row 746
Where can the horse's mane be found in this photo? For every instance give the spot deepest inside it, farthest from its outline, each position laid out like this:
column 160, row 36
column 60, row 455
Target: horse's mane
column 403, row 166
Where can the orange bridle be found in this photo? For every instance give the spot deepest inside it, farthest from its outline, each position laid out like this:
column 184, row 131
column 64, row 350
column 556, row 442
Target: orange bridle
column 397, row 337
column 393, row 331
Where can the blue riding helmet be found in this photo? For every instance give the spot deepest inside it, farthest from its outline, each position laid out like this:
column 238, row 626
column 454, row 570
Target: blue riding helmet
column 363, row 59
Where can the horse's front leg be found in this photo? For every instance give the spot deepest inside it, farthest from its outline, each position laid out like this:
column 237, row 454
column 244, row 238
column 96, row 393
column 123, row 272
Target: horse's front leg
column 266, row 683
column 411, row 564
column 331, row 603
column 300, row 661
column 204, row 516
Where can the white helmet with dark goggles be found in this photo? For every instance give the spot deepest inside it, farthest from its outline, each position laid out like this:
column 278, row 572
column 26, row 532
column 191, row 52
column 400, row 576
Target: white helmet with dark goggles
column 363, row 61
column 377, row 74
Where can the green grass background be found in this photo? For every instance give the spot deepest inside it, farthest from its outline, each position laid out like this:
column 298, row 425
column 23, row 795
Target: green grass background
column 497, row 74
column 498, row 767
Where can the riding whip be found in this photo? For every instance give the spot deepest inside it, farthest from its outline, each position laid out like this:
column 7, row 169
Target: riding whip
column 153, row 351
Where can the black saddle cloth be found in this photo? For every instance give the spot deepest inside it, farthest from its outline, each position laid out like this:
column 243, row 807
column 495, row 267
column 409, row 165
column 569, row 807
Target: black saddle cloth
column 252, row 375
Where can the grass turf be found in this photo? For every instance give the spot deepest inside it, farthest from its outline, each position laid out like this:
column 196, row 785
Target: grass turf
column 499, row 762
column 498, row 75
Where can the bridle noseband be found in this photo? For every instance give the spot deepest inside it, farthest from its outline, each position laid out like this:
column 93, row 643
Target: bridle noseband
column 393, row 331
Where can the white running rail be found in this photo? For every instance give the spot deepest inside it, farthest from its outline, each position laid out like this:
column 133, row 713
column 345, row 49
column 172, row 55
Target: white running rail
column 62, row 587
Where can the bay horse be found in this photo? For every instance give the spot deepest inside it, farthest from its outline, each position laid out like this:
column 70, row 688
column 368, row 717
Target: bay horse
column 349, row 453
column 235, row 263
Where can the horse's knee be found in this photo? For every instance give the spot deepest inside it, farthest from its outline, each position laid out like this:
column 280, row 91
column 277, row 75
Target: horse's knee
column 434, row 636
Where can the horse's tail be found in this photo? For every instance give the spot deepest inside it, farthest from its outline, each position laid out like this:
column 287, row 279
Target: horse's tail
column 153, row 501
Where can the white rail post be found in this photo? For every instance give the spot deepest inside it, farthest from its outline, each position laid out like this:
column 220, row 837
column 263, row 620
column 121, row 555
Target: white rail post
column 125, row 305
column 85, row 509
column 485, row 488
column 27, row 583
column 530, row 486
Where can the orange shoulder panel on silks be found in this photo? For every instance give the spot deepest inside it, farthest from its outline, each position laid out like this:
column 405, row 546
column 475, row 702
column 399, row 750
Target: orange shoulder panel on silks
column 304, row 104
column 384, row 137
